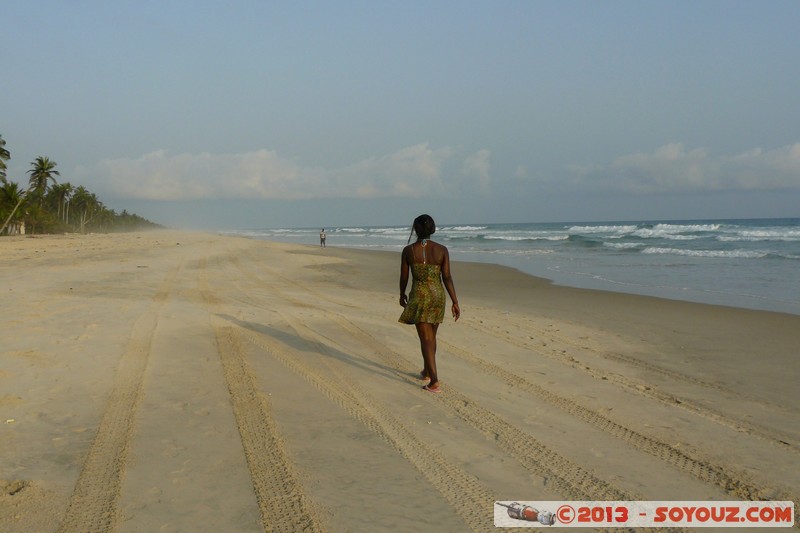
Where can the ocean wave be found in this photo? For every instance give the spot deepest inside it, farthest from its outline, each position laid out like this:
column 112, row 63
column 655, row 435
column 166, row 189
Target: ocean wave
column 352, row 230
column 648, row 233
column 602, row 229
column 383, row 247
column 389, row 230
column 521, row 252
column 624, row 245
column 522, row 238
column 526, row 252
column 781, row 235
column 280, row 231
column 464, row 228
column 744, row 254
column 686, row 228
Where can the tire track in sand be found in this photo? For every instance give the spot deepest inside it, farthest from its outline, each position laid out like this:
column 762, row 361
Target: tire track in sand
column 562, row 357
column 649, row 391
column 282, row 502
column 632, row 362
column 733, row 483
column 467, row 496
column 730, row 481
column 769, row 435
column 568, row 478
column 93, row 504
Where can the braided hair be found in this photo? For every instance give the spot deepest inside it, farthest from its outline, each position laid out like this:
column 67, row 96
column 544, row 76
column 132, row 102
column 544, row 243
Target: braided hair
column 423, row 226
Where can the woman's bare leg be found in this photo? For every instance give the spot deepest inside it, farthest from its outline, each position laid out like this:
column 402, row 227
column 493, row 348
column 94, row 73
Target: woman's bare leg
column 427, row 342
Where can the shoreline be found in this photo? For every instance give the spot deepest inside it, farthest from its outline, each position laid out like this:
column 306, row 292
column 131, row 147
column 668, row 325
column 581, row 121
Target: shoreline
column 544, row 280
column 254, row 368
column 738, row 263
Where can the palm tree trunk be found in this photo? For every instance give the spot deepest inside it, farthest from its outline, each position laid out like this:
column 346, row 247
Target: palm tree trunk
column 11, row 215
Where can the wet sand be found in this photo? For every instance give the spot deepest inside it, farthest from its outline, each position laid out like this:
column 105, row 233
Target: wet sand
column 175, row 381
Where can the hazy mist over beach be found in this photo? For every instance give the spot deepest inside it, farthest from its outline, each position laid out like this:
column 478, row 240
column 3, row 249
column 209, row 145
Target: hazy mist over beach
column 203, row 115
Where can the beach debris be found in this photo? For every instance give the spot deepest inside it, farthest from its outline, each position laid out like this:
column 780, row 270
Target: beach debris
column 13, row 487
column 10, row 420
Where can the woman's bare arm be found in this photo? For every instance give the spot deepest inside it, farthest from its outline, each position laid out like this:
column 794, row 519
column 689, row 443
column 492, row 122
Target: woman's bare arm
column 447, row 278
column 403, row 276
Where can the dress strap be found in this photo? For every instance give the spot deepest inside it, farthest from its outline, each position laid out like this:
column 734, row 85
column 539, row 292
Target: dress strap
column 424, row 244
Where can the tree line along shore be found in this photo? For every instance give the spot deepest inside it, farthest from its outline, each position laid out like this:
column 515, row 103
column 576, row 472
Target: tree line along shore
column 47, row 206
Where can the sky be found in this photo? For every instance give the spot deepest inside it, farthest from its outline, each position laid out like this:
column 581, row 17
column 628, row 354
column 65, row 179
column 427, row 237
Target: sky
column 258, row 114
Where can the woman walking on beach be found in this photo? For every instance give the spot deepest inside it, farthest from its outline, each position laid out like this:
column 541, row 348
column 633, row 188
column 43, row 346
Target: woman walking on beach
column 429, row 263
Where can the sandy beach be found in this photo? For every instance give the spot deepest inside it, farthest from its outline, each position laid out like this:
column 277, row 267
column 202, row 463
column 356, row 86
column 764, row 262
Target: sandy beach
column 174, row 381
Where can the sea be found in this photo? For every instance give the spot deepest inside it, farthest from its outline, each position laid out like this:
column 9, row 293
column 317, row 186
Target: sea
column 753, row 264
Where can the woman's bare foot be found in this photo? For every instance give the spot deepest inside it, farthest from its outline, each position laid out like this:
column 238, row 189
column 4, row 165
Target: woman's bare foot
column 432, row 387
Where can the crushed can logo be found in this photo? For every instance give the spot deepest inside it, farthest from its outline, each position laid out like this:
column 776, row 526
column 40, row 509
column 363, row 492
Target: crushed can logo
column 517, row 511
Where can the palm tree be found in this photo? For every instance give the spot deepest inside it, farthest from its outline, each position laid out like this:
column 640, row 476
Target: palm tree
column 60, row 194
column 10, row 195
column 4, row 156
column 42, row 172
column 87, row 205
column 106, row 219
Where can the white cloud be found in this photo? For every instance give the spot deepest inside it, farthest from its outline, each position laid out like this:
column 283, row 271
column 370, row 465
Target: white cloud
column 476, row 169
column 420, row 170
column 774, row 169
column 673, row 168
column 410, row 172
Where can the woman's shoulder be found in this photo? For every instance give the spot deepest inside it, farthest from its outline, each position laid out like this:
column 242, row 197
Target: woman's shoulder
column 439, row 252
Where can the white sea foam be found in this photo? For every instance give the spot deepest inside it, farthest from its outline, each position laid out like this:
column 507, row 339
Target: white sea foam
column 655, row 233
column 602, row 229
column 747, row 254
column 685, row 228
column 530, row 237
column 352, row 230
column 676, row 232
column 522, row 252
column 463, row 228
column 778, row 234
column 505, row 238
column 389, row 230
column 624, row 245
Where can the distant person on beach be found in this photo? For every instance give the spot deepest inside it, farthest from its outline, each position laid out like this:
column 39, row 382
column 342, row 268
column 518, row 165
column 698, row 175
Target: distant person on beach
column 429, row 263
column 322, row 238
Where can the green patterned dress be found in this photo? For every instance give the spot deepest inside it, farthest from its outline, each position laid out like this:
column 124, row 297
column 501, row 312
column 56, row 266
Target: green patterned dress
column 426, row 300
